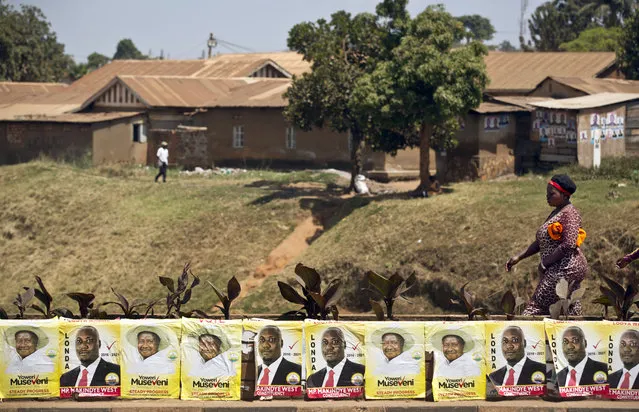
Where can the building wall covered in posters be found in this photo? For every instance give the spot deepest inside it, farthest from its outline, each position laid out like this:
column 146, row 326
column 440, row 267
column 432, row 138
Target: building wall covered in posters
column 601, row 129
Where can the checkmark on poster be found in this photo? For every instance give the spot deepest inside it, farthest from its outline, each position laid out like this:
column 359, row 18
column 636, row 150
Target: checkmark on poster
column 356, row 346
column 293, row 345
column 595, row 346
column 536, row 344
column 110, row 346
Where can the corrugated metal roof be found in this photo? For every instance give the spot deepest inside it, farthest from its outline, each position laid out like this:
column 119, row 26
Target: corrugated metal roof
column 489, row 107
column 11, row 111
column 593, row 86
column 76, row 117
column 588, row 102
column 160, row 91
column 11, row 92
column 521, row 101
column 524, row 71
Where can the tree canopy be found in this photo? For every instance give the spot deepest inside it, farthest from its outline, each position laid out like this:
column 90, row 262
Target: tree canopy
column 591, row 40
column 628, row 52
column 126, row 50
column 29, row 49
column 476, row 28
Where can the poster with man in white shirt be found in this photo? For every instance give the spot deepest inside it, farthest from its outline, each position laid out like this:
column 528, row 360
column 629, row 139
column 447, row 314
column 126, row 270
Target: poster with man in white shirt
column 91, row 359
column 624, row 363
column 516, row 355
column 28, row 365
column 334, row 359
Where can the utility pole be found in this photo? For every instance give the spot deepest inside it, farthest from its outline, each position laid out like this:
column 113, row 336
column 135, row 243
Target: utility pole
column 211, row 43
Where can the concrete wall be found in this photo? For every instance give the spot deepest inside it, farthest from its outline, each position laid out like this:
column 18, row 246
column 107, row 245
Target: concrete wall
column 556, row 132
column 590, row 135
column 25, row 141
column 632, row 129
column 113, row 143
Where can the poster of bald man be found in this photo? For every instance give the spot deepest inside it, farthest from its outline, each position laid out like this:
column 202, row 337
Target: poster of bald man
column 150, row 358
column 579, row 353
column 395, row 364
column 90, row 358
column 334, row 359
column 623, row 360
column 29, row 361
column 516, row 357
column 211, row 359
column 459, row 369
column 278, row 357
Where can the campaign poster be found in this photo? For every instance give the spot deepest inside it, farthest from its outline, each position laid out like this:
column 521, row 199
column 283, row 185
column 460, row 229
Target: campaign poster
column 334, row 359
column 211, row 359
column 459, row 370
column 579, row 354
column 516, row 357
column 150, row 358
column 90, row 358
column 278, row 357
column 395, row 364
column 623, row 360
column 30, row 353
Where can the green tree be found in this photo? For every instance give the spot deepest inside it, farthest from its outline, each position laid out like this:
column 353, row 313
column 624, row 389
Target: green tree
column 628, row 52
column 423, row 88
column 506, row 46
column 597, row 39
column 96, row 60
column 341, row 51
column 610, row 13
column 477, row 28
column 29, row 49
column 126, row 50
column 558, row 21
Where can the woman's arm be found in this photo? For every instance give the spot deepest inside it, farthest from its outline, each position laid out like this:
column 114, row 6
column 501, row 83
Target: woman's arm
column 532, row 249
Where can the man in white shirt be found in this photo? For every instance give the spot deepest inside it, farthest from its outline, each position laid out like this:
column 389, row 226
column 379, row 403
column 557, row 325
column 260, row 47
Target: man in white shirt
column 455, row 361
column 213, row 361
column 581, row 370
column 275, row 369
column 626, row 377
column 394, row 359
column 27, row 351
column 163, row 161
column 93, row 370
column 339, row 371
column 519, row 369
column 151, row 352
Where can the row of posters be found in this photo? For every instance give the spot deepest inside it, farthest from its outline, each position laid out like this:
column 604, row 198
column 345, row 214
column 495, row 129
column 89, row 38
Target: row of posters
column 202, row 359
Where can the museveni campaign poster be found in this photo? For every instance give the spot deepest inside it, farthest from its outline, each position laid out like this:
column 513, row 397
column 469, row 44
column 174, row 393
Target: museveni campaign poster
column 30, row 353
column 211, row 359
column 579, row 354
column 516, row 357
column 395, row 364
column 278, row 357
column 459, row 369
column 334, row 359
column 150, row 358
column 623, row 359
column 90, row 358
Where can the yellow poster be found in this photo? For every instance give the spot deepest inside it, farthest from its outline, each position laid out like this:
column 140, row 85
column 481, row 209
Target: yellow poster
column 30, row 353
column 211, row 359
column 516, row 357
column 459, row 369
column 278, row 358
column 334, row 359
column 579, row 353
column 150, row 358
column 623, row 360
column 90, row 358
column 395, row 365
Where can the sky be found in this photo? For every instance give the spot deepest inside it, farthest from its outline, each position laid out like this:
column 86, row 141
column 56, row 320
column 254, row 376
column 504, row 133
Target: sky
column 181, row 28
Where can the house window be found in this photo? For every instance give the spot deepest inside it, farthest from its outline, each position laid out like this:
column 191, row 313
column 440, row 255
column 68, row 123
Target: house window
column 290, row 138
column 238, row 137
column 138, row 133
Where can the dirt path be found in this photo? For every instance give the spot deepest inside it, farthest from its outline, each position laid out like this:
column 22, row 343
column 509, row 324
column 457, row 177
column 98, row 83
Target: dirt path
column 289, row 249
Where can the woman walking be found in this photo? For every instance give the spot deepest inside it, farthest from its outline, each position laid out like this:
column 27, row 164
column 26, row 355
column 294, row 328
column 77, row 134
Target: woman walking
column 558, row 240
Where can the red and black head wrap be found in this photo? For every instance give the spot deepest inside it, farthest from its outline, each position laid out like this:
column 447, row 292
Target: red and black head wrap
column 564, row 184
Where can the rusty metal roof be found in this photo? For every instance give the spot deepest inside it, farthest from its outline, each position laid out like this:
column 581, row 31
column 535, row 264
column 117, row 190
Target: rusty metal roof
column 593, row 86
column 522, row 72
column 521, row 101
column 11, row 92
column 490, row 107
column 162, row 91
column 70, row 117
column 588, row 102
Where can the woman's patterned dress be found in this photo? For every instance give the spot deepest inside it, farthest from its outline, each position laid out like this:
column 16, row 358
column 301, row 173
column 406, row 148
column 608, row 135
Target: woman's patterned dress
column 572, row 267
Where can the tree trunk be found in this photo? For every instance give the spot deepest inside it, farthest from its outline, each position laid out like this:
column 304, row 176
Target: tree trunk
column 357, row 144
column 424, row 158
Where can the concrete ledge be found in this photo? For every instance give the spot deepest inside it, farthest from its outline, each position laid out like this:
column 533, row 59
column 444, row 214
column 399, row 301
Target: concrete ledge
column 120, row 405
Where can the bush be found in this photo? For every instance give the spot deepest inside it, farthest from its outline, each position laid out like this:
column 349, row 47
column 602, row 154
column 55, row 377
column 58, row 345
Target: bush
column 626, row 168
